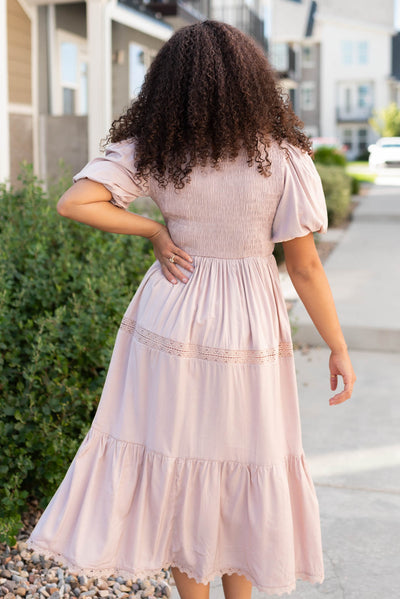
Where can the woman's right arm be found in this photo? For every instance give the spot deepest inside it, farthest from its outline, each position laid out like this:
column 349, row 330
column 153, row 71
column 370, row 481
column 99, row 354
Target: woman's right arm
column 309, row 279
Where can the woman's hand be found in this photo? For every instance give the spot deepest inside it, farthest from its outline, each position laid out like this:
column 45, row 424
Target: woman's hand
column 340, row 364
column 164, row 247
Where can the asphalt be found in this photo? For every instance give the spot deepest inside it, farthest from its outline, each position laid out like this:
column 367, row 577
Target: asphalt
column 353, row 449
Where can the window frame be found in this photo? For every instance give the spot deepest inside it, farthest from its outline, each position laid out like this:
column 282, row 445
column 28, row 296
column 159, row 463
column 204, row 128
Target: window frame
column 63, row 36
column 148, row 56
column 307, row 86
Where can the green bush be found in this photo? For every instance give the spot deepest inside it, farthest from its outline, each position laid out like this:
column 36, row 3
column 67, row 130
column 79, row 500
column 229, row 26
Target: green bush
column 65, row 287
column 355, row 186
column 329, row 156
column 337, row 188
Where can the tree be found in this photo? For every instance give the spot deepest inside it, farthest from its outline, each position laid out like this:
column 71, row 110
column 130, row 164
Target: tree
column 386, row 122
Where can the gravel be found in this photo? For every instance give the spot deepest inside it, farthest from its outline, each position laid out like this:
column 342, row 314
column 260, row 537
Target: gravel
column 25, row 574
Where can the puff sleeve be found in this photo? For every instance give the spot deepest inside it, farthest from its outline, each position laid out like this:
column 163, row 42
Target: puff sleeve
column 302, row 206
column 116, row 171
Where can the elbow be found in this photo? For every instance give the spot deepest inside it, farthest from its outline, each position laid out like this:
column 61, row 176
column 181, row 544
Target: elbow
column 62, row 206
column 305, row 271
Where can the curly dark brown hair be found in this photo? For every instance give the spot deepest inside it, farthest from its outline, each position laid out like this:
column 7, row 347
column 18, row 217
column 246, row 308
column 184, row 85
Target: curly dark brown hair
column 209, row 92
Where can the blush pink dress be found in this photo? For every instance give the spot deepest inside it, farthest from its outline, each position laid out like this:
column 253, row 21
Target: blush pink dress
column 194, row 457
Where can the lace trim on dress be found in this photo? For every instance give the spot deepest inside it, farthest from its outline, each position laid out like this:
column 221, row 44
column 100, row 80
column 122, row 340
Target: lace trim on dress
column 135, row 573
column 204, row 352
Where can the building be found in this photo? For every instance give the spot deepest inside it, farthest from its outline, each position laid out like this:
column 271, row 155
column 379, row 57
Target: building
column 67, row 69
column 339, row 58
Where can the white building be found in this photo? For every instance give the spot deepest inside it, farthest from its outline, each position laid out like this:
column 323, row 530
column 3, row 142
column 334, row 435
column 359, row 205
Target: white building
column 343, row 63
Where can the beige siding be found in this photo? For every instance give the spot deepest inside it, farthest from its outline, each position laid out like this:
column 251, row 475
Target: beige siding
column 19, row 54
column 21, row 143
column 65, row 138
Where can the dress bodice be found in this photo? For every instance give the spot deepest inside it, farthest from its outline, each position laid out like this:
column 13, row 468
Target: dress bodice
column 229, row 212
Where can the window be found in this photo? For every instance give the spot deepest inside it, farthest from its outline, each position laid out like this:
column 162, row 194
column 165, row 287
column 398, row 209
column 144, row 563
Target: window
column 137, row 69
column 363, row 96
column 347, row 99
column 348, row 138
column 72, row 87
column 69, row 75
column 280, row 56
column 307, row 92
column 140, row 59
column 362, row 140
column 347, row 52
column 307, row 56
column 362, row 52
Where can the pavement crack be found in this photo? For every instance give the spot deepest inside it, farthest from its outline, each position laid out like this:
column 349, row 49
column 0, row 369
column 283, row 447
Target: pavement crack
column 351, row 488
column 336, row 574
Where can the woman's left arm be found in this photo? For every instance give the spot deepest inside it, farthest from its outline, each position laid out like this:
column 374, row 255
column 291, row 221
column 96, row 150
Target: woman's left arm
column 88, row 202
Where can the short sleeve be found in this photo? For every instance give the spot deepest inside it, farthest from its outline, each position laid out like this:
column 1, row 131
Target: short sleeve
column 116, row 171
column 302, row 206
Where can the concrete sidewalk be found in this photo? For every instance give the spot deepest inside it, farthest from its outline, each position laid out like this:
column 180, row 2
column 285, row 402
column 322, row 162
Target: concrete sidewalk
column 364, row 274
column 353, row 449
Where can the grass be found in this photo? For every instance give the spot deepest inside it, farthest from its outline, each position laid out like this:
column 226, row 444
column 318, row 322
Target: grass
column 360, row 170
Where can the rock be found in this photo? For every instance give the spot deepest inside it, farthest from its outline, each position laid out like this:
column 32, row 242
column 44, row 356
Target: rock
column 166, row 590
column 21, row 591
column 5, row 574
column 35, row 558
column 9, row 596
column 53, row 591
column 149, row 591
column 26, row 555
column 124, row 588
column 82, row 579
column 104, row 593
column 76, row 591
column 102, row 585
column 71, row 578
column 135, row 586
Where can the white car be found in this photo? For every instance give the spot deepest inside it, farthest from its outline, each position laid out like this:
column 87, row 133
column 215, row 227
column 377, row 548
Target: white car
column 385, row 153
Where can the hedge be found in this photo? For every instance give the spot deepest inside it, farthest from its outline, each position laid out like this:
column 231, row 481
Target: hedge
column 337, row 188
column 65, row 287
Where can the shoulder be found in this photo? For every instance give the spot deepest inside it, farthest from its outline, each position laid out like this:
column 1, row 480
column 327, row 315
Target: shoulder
column 121, row 151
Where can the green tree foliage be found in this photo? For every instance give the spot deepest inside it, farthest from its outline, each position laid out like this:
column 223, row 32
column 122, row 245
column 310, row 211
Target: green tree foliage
column 65, row 287
column 386, row 122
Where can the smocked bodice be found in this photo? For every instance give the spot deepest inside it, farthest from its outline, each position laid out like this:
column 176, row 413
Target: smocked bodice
column 215, row 215
column 229, row 212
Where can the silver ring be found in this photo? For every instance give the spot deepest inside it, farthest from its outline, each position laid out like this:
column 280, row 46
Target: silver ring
column 172, row 258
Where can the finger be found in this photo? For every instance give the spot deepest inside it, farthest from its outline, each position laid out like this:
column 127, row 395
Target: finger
column 168, row 275
column 334, row 381
column 179, row 252
column 182, row 260
column 174, row 271
column 343, row 395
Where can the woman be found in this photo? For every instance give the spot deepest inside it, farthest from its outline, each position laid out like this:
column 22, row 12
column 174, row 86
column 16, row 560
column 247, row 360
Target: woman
column 194, row 459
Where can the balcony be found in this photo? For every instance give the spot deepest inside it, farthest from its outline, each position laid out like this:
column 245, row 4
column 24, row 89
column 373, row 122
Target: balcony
column 354, row 114
column 240, row 15
column 183, row 12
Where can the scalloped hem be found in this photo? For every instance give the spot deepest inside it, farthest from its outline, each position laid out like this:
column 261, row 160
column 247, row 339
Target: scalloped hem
column 136, row 573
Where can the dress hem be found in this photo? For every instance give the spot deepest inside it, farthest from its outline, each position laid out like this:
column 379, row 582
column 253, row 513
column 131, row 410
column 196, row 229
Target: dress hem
column 136, row 573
